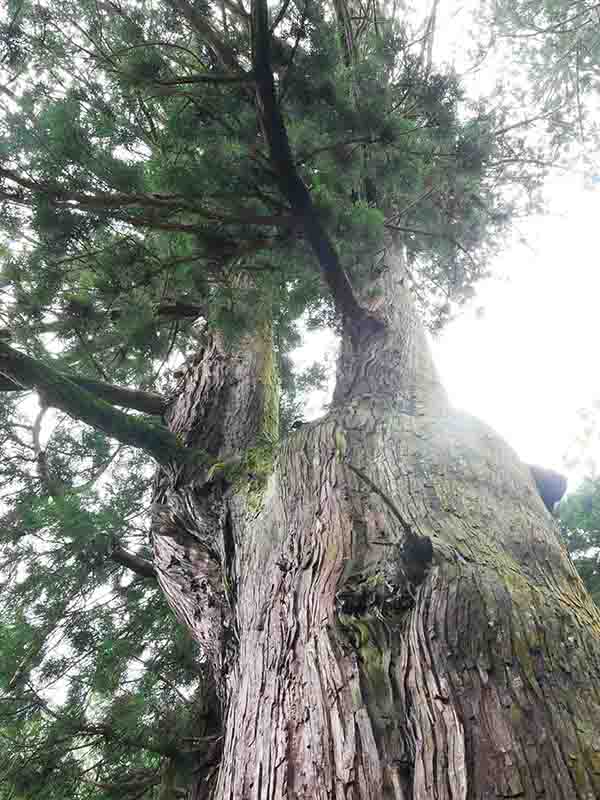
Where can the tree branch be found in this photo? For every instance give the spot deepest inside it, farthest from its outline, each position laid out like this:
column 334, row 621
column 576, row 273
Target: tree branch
column 60, row 392
column 246, row 77
column 146, row 402
column 346, row 34
column 141, row 566
column 103, row 729
column 434, row 234
column 181, row 309
column 200, row 24
column 290, row 183
column 114, row 201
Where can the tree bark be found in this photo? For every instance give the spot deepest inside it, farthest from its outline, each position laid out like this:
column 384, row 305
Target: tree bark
column 386, row 606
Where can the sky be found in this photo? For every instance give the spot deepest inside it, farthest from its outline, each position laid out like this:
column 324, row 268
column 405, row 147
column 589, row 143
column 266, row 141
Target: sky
column 527, row 363
column 523, row 355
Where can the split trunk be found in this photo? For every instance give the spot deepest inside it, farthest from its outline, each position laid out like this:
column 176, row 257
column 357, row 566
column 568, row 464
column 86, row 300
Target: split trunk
column 384, row 602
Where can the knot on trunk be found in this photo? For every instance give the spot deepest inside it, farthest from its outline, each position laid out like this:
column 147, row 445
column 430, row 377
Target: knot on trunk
column 416, row 555
column 390, row 588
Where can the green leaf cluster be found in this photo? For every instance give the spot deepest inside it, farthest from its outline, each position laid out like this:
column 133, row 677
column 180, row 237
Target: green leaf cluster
column 580, row 525
column 98, row 683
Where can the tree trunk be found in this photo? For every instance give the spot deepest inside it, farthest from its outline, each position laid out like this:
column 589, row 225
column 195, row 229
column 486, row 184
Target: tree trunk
column 384, row 601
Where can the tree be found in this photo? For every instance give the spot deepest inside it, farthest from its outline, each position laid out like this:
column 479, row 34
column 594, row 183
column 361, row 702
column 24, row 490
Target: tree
column 380, row 601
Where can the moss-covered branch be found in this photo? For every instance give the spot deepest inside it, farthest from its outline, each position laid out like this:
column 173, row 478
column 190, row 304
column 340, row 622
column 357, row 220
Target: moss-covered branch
column 61, row 392
column 146, row 402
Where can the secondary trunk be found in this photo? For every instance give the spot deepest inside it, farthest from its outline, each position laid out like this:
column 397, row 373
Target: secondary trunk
column 383, row 598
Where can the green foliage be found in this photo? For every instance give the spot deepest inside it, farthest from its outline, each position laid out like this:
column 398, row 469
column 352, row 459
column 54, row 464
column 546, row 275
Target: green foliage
column 580, row 524
column 557, row 47
column 134, row 180
column 98, row 684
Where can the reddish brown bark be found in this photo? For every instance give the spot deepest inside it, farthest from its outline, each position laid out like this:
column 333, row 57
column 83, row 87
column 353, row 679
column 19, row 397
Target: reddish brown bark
column 390, row 615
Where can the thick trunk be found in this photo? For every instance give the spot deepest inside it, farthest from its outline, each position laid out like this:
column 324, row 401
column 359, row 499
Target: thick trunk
column 390, row 613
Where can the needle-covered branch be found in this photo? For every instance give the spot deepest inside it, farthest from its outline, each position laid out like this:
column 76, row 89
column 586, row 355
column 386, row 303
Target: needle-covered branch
column 204, row 79
column 58, row 391
column 290, row 182
column 198, row 22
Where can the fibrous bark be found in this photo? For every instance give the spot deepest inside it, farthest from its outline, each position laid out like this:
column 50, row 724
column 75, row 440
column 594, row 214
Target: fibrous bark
column 386, row 607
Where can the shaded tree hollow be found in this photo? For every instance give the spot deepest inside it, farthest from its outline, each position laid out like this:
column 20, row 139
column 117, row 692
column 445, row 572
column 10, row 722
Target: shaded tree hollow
column 384, row 603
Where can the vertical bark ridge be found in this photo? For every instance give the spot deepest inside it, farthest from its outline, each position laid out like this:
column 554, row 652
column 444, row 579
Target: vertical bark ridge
column 376, row 677
column 366, row 687
column 226, row 401
column 391, row 360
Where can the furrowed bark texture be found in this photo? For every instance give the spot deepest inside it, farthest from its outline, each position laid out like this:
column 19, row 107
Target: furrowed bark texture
column 390, row 615
column 225, row 403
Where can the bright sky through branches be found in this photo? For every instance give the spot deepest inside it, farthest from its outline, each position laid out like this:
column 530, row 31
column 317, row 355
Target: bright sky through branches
column 530, row 362
column 523, row 354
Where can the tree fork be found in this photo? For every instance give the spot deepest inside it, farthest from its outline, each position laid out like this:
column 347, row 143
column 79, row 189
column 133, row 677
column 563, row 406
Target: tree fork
column 289, row 181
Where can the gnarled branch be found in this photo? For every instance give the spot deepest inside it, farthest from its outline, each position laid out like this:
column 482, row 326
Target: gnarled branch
column 119, row 203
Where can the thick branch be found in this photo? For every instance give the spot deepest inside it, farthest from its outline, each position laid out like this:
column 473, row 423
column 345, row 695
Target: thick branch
column 141, row 566
column 146, row 402
column 208, row 77
column 181, row 309
column 290, row 182
column 63, row 393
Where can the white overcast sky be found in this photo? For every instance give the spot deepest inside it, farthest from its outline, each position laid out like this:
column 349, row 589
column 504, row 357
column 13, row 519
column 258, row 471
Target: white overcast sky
column 531, row 362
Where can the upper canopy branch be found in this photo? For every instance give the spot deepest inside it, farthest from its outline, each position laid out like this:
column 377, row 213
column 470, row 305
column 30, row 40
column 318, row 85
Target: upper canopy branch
column 209, row 77
column 61, row 392
column 346, row 33
column 283, row 161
